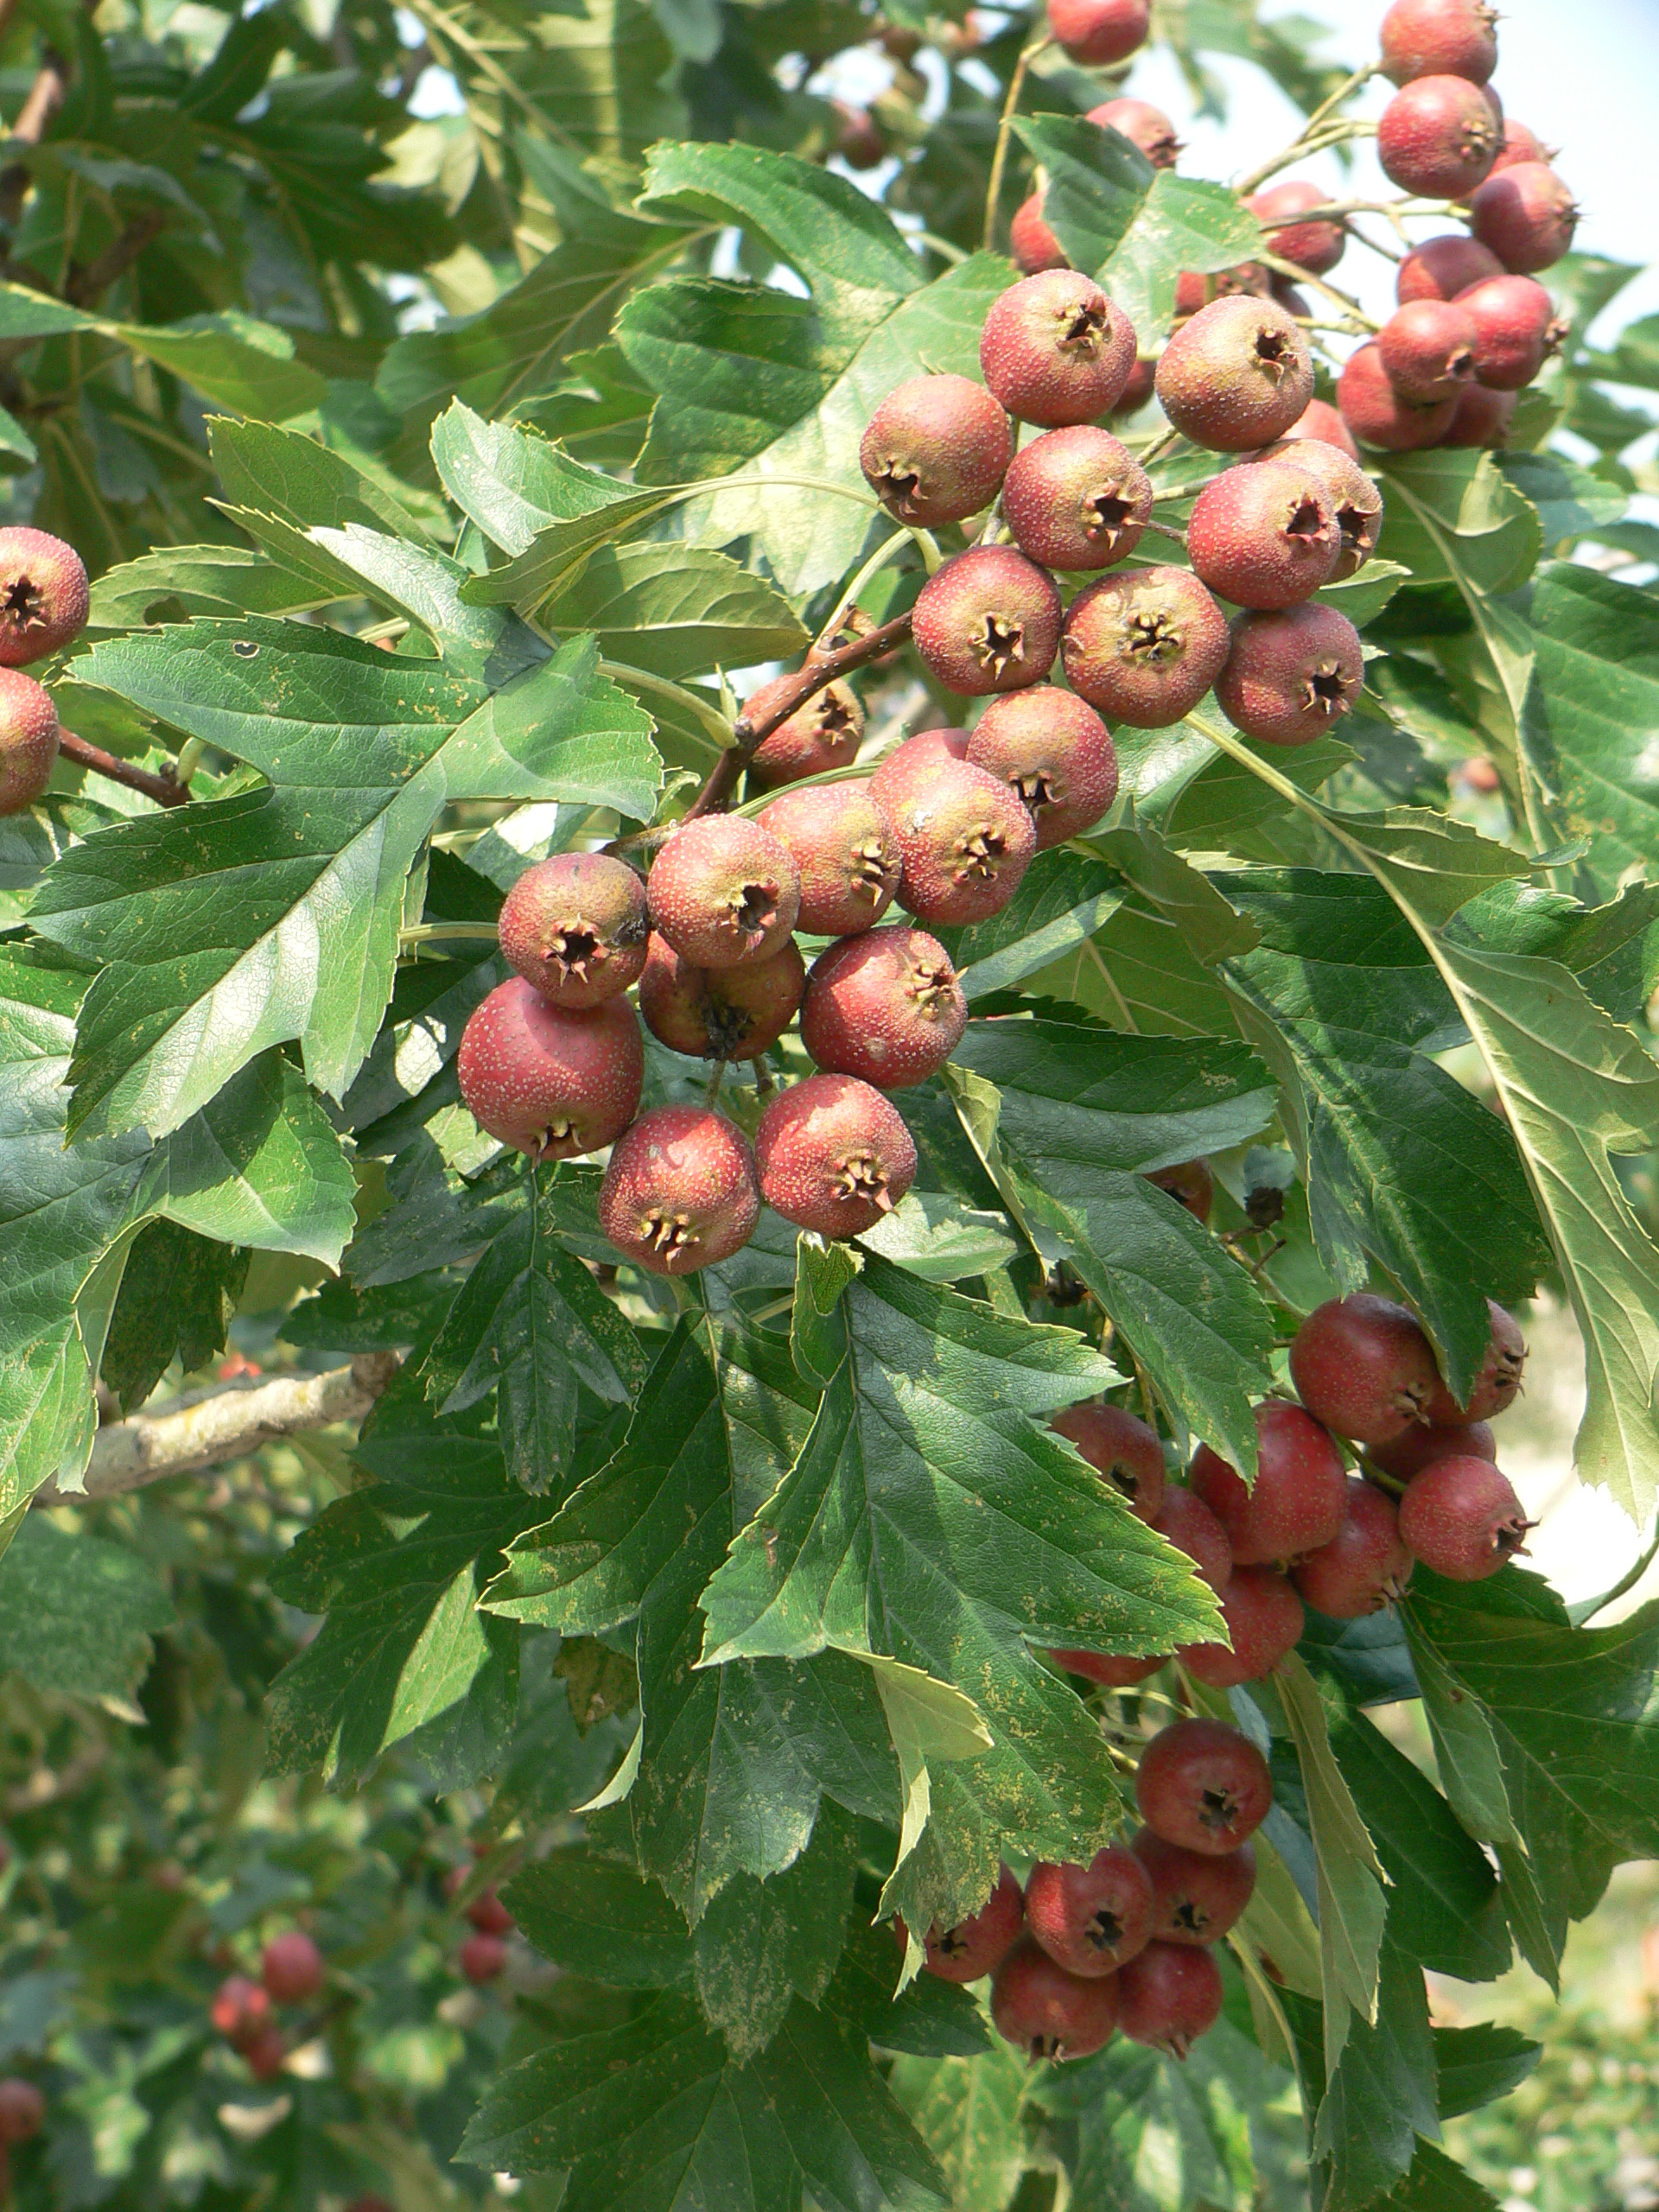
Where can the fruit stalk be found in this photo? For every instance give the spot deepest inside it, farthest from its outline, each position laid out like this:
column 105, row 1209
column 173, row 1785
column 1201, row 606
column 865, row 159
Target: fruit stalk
column 1004, row 132
column 164, row 789
column 1312, row 139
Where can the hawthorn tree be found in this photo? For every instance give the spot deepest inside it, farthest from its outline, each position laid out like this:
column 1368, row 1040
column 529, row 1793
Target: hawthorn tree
column 574, row 1585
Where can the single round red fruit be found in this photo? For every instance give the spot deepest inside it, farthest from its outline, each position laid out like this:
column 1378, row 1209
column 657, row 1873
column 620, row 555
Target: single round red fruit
column 1265, row 536
column 1237, row 376
column 292, row 1967
column 843, row 846
column 1428, row 350
column 1145, row 646
column 551, row 1084
column 575, row 926
column 1032, row 244
column 1316, row 247
column 1203, row 1785
column 885, row 1006
column 1516, row 329
column 1048, row 2013
column 1264, row 1621
column 723, row 889
column 1483, row 418
column 1424, row 1442
column 44, row 597
column 1526, row 215
column 1355, row 498
column 1190, row 1525
column 1143, row 125
column 1089, row 1919
column 1291, row 674
column 266, row 2051
column 1499, row 1384
column 1076, row 499
column 680, row 1192
column 29, row 741
column 23, row 2109
column 914, row 761
column 989, row 621
column 1196, row 1897
column 1098, row 33
column 482, row 1958
column 1462, row 1517
column 965, row 840
column 1363, row 1366
column 935, row 450
column 240, row 2009
column 1377, row 415
column 1429, row 38
column 720, row 1014
column 1365, row 1567
column 1123, row 1452
column 1441, row 268
column 833, row 1155
column 1437, row 137
column 1169, row 1997
column 489, row 1915
column 1055, row 350
column 978, row 1945
column 823, row 734
column 1054, row 752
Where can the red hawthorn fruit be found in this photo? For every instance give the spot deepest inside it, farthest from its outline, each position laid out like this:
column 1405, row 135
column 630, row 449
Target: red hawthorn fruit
column 1053, row 751
column 885, row 1006
column 680, row 1192
column 1143, row 647
column 1196, row 288
column 489, row 1915
column 965, row 841
column 848, row 856
column 44, row 598
column 1365, row 1567
column 1138, row 391
column 1123, row 1452
column 1428, row 350
column 935, row 450
column 29, row 741
column 720, row 1014
column 978, row 1945
column 1462, row 1517
column 1170, row 1996
column 265, row 2051
column 1483, row 418
column 833, row 1155
column 1521, row 144
column 1424, row 1442
column 1190, row 1525
column 1264, row 1621
column 575, row 926
column 1077, row 499
column 1318, row 246
column 1098, row 33
column 1526, row 215
column 1321, row 422
column 1299, row 1495
column 1048, row 2014
column 1356, row 501
column 989, row 620
column 1364, row 1367
column 1441, row 268
column 1143, row 125
column 1431, row 38
column 1032, row 244
column 482, row 1958
column 1515, row 330
column 1196, row 1898
column 240, row 2009
column 1290, row 674
column 1498, row 1382
column 549, row 1083
column 1377, row 415
column 23, row 2109
column 1203, row 1785
column 1437, row 137
column 1264, row 536
column 292, row 1967
column 1237, row 376
column 723, row 889
column 914, row 762
column 823, row 734
column 1090, row 1919
column 1055, row 350
column 1191, row 1183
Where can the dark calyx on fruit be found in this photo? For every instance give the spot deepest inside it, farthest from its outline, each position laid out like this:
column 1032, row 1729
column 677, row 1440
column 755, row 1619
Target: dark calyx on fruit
column 1046, row 2012
column 833, row 1155
column 1090, row 1919
column 550, row 1082
column 1076, row 499
column 680, row 1193
column 1265, row 536
column 1203, row 1785
column 824, row 733
column 978, row 1944
column 1195, row 1898
column 885, row 1006
column 1499, row 1384
column 1053, row 751
column 575, row 926
column 1356, row 499
column 723, row 890
column 1145, row 646
column 844, row 848
column 720, row 1014
column 1462, row 1517
column 1291, row 674
column 965, row 841
column 989, row 621
column 1237, row 376
column 935, row 450
column 44, row 595
column 1123, row 1452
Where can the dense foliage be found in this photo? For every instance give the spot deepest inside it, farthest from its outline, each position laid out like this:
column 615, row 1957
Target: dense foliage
column 447, row 486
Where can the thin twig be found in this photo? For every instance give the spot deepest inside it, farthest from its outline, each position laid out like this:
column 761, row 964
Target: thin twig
column 84, row 287
column 164, row 789
column 1352, row 310
column 1004, row 131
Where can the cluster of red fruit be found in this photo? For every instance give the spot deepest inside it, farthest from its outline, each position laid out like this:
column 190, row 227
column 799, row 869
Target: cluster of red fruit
column 44, row 600
column 483, row 1956
column 1126, row 1941
column 291, row 1972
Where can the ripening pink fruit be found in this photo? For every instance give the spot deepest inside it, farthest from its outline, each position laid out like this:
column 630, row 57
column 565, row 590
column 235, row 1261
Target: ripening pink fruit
column 1300, row 1494
column 1054, row 751
column 1291, row 673
column 1169, row 1997
column 1378, row 415
column 885, row 1006
column 482, row 1958
column 1264, row 1621
column 680, row 1193
column 1320, row 421
column 1363, row 1366
column 1098, row 33
column 1055, row 350
column 44, row 597
column 1203, row 1785
column 935, row 449
column 1143, row 125
column 823, row 734
column 723, row 889
column 1499, row 1384
column 1191, row 1183
column 239, row 2010
column 1032, row 244
column 489, row 1915
column 29, row 741
column 1265, row 536
column 1429, row 38
column 965, row 841
column 1196, row 1897
column 1462, row 1518
column 266, row 2052
column 1090, row 1919
column 914, row 761
column 23, row 2110
column 1144, row 646
column 1521, row 144
column 292, row 1968
column 1526, row 215
column 1048, row 2014
column 1483, row 418
column 843, row 846
column 833, row 1155
column 575, row 926
column 551, row 1084
column 1365, row 1567
column 1123, row 1452
column 989, row 620
column 1515, row 330
column 1237, row 376
column 1437, row 137
column 1109, row 1671
column 1428, row 350
column 1316, row 247
column 720, row 1014
column 1076, row 499
column 978, row 1945
column 1354, row 500
column 1441, row 268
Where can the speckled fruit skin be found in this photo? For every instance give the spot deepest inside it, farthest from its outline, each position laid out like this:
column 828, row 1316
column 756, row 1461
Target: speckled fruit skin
column 292, row 1968
column 1462, row 1518
column 1376, row 414
column 1432, row 38
column 44, row 597
column 1516, row 329
column 1365, row 1567
column 1090, row 1919
column 1424, row 1442
column 552, row 1083
column 1437, row 137
column 1499, row 1384
column 833, row 1155
column 1076, row 499
column 1237, row 376
column 915, row 760
column 1428, row 350
column 29, row 741
column 720, row 1014
column 1195, row 1898
column 1266, row 536
column 1358, row 502
column 1363, row 1367
column 1054, row 752
column 575, row 926
column 935, row 449
column 1316, row 247
column 1055, row 350
column 1190, row 1525
column 1191, row 1183
column 1483, row 418
column 885, row 1006
column 989, row 621
column 1169, row 1997
column 1123, row 1452
column 846, row 852
column 1264, row 1620
column 1048, row 2014
column 965, row 841
column 1203, row 1785
column 823, row 734
column 1441, row 268
column 723, row 889
column 1100, row 32
column 1291, row 675
column 1112, row 1672
column 1145, row 646
column 1033, row 246
column 680, row 1192
column 1320, row 421
column 1299, row 1495
column 1526, row 215
column 1521, row 144
column 1143, row 125
column 978, row 1946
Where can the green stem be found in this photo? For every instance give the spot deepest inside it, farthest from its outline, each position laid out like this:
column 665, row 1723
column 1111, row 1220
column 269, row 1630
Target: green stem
column 425, row 933
column 1004, row 131
column 874, row 566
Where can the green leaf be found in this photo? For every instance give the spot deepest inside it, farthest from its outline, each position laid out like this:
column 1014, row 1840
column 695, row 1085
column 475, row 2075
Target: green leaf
column 225, row 579
column 1452, row 517
column 287, row 475
column 940, row 1239
column 1098, row 183
column 600, row 1920
column 177, row 1298
column 1594, row 695
column 762, row 1944
column 1062, row 900
column 77, row 1613
column 1382, row 2095
column 676, row 611
column 1479, row 2065
column 970, row 2112
column 928, row 2018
